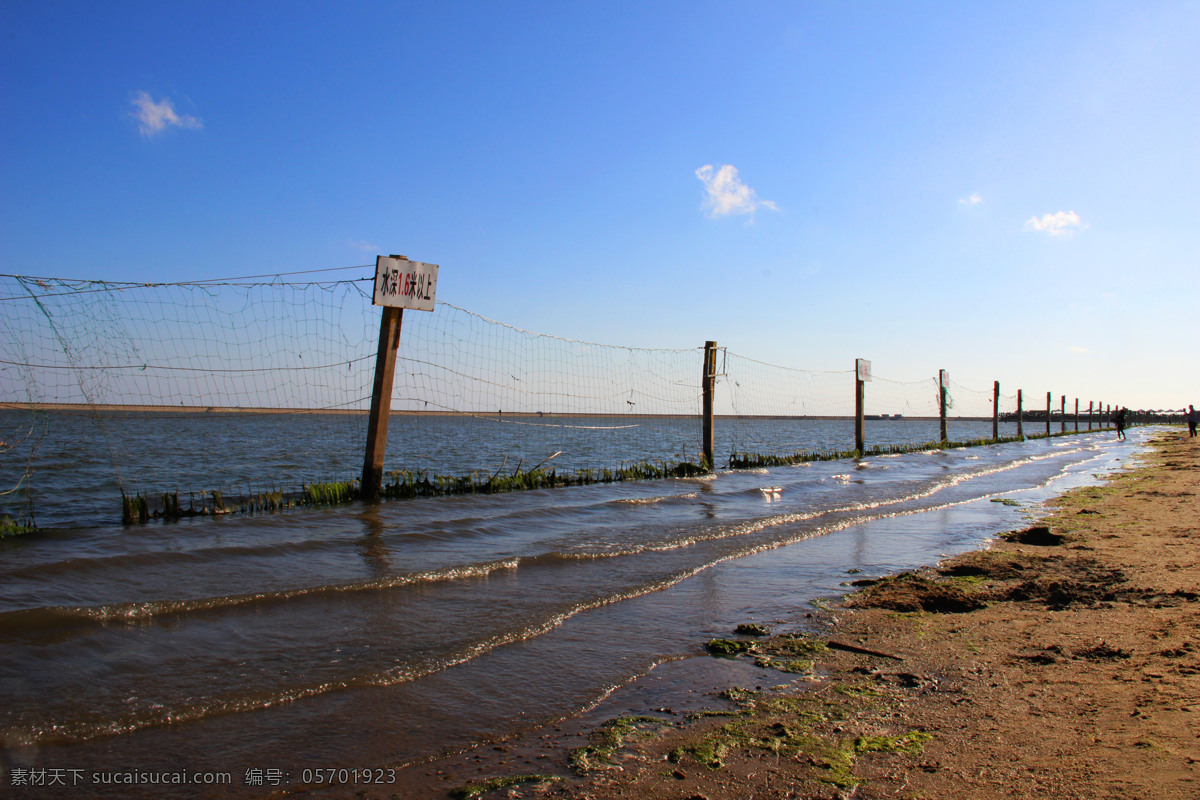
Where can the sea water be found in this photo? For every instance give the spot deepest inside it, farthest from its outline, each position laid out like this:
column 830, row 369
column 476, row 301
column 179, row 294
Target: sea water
column 365, row 636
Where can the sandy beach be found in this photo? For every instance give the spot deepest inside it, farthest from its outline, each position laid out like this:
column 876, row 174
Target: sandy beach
column 1063, row 661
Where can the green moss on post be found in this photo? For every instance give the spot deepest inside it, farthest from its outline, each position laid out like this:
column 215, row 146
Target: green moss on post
column 12, row 527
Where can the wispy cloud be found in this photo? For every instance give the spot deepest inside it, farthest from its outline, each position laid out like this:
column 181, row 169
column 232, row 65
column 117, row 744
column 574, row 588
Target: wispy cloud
column 1077, row 349
column 364, row 246
column 154, row 118
column 972, row 199
column 1064, row 223
column 727, row 195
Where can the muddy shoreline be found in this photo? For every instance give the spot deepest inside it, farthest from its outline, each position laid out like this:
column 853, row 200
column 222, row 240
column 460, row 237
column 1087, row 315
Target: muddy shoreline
column 1062, row 661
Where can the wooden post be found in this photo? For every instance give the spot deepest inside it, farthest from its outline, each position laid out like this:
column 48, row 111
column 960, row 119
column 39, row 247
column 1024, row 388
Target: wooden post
column 860, row 437
column 1077, row 415
column 381, row 402
column 1049, row 402
column 1020, row 417
column 943, row 390
column 708, row 382
column 1090, row 414
column 996, row 410
column 1063, row 414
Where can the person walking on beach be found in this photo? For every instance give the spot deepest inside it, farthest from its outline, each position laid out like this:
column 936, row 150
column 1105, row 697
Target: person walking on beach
column 1119, row 419
column 1193, row 418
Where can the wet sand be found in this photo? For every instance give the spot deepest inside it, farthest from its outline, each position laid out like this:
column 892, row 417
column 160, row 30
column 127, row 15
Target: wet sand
column 1061, row 662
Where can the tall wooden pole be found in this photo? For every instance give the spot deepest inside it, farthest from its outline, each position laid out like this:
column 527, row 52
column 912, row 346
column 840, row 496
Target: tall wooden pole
column 943, row 390
column 381, row 402
column 996, row 410
column 1090, row 414
column 1049, row 402
column 1020, row 417
column 1077, row 415
column 708, row 382
column 860, row 437
column 1063, row 414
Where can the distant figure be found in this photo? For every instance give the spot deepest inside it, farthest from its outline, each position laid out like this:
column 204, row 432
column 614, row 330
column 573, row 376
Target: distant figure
column 1119, row 419
column 1193, row 418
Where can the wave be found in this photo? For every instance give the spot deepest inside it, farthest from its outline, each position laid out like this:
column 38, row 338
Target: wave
column 151, row 715
column 644, row 501
column 154, row 558
column 66, row 616
column 58, row 617
column 158, row 715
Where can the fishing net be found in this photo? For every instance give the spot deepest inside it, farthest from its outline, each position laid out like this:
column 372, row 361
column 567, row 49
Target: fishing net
column 245, row 386
column 265, row 385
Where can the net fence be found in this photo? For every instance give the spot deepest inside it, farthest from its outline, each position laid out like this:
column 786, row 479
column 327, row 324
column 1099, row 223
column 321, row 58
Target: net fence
column 252, row 386
column 247, row 387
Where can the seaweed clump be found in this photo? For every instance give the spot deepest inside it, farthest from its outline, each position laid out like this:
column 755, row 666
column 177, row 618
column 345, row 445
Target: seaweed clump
column 609, row 738
column 472, row 790
column 728, row 647
column 804, row 728
column 1038, row 536
column 910, row 592
column 400, row 485
column 12, row 527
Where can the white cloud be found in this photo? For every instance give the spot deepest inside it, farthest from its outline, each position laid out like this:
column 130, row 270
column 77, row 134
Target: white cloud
column 972, row 199
column 1077, row 349
column 727, row 195
column 1064, row 223
column 365, row 246
column 154, row 118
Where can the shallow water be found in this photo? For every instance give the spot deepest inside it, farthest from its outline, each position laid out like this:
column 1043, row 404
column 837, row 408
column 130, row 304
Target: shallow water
column 365, row 636
column 76, row 465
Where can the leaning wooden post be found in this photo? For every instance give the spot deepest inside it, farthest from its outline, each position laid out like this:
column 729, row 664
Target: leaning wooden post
column 1020, row 417
column 943, row 394
column 381, row 402
column 996, row 410
column 862, row 374
column 708, row 382
column 399, row 284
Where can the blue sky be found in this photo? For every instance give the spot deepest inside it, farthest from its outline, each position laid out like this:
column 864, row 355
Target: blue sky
column 1005, row 190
